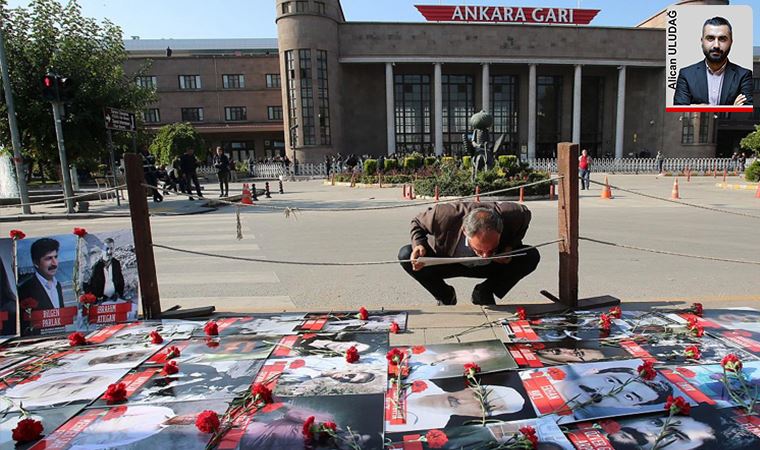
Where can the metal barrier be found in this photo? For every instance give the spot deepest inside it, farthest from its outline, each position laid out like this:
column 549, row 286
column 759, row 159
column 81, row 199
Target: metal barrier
column 643, row 165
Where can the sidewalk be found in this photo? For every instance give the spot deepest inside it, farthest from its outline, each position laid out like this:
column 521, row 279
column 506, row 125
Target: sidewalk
column 173, row 205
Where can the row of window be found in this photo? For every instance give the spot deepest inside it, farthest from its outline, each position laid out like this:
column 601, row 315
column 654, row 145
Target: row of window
column 303, row 6
column 231, row 114
column 193, row 82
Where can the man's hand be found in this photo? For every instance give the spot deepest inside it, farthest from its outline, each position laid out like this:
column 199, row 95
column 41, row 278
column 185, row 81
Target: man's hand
column 417, row 252
column 740, row 100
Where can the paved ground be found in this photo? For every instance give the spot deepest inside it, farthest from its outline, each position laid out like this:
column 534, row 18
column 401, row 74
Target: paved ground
column 376, row 235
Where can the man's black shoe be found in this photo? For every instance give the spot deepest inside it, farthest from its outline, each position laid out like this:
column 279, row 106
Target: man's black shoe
column 451, row 301
column 482, row 296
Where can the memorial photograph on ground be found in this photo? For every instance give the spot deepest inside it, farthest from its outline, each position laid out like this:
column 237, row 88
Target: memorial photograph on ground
column 48, row 303
column 215, row 350
column 377, row 321
column 542, row 354
column 577, row 392
column 8, row 300
column 704, row 428
column 446, row 360
column 222, row 380
column 51, row 419
column 734, row 389
column 133, row 427
column 568, row 327
column 108, row 270
column 280, row 425
column 140, row 331
column 270, row 325
column 313, row 376
column 450, row 402
column 330, row 344
column 87, row 359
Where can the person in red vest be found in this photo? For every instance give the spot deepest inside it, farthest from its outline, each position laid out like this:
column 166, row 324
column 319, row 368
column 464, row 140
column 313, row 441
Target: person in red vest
column 584, row 169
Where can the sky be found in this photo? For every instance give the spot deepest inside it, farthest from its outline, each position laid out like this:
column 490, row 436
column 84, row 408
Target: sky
column 178, row 19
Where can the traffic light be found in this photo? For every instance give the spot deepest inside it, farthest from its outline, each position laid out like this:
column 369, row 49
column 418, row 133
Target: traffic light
column 65, row 89
column 50, row 87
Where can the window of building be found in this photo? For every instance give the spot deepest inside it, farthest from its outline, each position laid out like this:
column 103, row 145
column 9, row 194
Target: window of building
column 290, row 74
column 146, row 81
column 458, row 107
column 504, row 101
column 704, row 128
column 235, row 113
column 286, row 8
column 274, row 112
column 324, row 98
column 189, row 81
column 687, row 127
column 592, row 110
column 233, row 81
column 413, row 105
column 192, row 114
column 307, row 98
column 273, row 80
column 549, row 115
column 240, row 150
column 302, row 6
column 320, row 7
column 151, row 115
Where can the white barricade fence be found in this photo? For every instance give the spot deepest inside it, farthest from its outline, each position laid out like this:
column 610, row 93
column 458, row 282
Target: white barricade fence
column 643, row 165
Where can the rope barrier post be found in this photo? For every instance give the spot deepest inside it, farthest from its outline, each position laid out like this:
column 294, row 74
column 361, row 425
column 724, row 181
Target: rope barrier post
column 138, row 211
column 567, row 162
column 568, row 209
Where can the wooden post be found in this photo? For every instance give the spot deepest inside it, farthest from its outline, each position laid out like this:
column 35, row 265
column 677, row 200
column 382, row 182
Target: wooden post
column 138, row 209
column 567, row 165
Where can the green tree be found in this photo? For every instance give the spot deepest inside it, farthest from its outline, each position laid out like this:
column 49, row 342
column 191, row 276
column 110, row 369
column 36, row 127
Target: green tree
column 48, row 36
column 172, row 140
column 752, row 141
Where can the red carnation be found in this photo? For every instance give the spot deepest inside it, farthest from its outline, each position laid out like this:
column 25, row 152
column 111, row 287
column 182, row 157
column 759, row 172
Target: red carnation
column 471, row 369
column 363, row 314
column 261, row 393
column 155, row 337
column 677, row 405
column 308, row 433
column 16, row 235
column 731, row 363
column 27, row 430
column 521, row 313
column 211, row 329
column 695, row 327
column 646, row 371
column 530, row 434
column 76, row 339
column 692, row 352
column 616, row 312
column 604, row 322
column 28, row 303
column 418, row 349
column 171, row 368
column 116, row 393
column 436, row 438
column 697, row 310
column 87, row 298
column 330, row 426
column 81, row 232
column 395, row 328
column 352, row 354
column 418, row 386
column 172, row 352
column 394, row 356
column 207, row 422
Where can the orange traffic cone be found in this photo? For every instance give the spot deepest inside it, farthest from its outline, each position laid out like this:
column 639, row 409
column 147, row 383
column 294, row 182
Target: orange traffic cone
column 477, row 194
column 551, row 191
column 411, row 192
column 522, row 194
column 674, row 195
column 246, row 200
column 757, row 193
column 437, row 193
column 403, row 192
column 606, row 191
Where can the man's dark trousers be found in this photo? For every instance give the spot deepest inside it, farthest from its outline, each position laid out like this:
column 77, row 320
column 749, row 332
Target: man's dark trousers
column 190, row 179
column 499, row 278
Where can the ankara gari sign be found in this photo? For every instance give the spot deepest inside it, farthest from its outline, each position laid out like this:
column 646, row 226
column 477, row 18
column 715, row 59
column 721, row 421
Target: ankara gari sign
column 507, row 14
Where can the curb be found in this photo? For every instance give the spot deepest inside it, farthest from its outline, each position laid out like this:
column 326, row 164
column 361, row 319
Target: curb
column 490, row 198
column 23, row 218
column 362, row 185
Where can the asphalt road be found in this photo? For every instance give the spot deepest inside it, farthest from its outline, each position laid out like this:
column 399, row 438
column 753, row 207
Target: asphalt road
column 630, row 275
